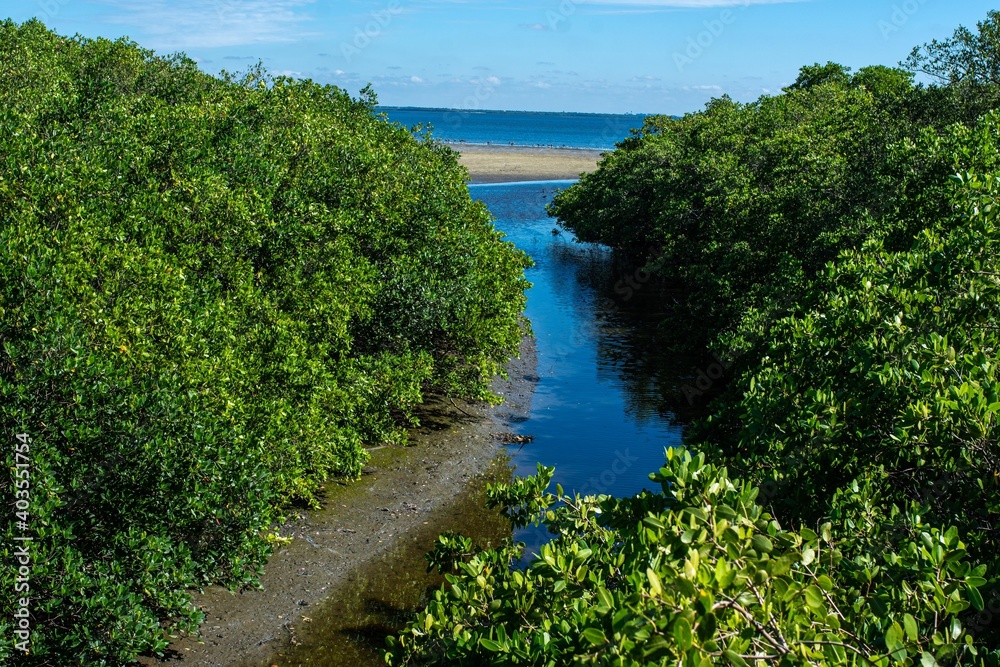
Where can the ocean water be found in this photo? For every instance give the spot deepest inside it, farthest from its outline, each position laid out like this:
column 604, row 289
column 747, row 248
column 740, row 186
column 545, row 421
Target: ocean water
column 521, row 128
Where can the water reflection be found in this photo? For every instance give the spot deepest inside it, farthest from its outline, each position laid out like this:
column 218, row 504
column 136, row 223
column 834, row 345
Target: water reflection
column 598, row 414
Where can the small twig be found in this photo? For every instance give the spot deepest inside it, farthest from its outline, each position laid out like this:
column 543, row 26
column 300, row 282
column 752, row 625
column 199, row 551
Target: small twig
column 460, row 409
column 840, row 644
column 782, row 646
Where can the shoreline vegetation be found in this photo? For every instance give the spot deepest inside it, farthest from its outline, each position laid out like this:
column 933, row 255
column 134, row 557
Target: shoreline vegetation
column 216, row 294
column 506, row 164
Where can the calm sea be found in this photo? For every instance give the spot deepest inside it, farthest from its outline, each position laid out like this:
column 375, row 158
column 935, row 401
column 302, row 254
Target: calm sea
column 521, row 128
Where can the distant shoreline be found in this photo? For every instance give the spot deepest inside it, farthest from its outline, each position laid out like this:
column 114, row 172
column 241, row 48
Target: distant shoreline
column 493, row 163
column 462, row 143
column 467, row 111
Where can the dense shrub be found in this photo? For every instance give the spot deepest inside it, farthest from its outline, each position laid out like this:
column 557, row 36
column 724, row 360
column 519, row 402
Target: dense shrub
column 695, row 574
column 887, row 388
column 214, row 294
column 741, row 203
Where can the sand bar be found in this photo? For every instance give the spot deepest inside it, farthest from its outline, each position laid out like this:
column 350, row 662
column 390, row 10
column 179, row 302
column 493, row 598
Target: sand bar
column 505, row 164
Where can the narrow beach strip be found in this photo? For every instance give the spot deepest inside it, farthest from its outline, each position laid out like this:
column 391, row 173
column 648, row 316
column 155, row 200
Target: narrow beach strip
column 508, row 164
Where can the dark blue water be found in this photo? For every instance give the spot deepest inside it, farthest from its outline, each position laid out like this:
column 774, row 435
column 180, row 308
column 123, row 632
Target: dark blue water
column 522, row 128
column 596, row 414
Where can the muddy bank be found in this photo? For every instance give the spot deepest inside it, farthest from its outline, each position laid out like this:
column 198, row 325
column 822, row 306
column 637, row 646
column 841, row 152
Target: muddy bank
column 378, row 598
column 349, row 576
column 503, row 164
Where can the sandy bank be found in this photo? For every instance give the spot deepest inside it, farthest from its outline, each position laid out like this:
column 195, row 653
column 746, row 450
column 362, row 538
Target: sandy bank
column 406, row 497
column 503, row 164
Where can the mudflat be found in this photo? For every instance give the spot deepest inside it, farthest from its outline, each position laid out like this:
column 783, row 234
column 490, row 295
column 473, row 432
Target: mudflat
column 405, row 498
column 507, row 164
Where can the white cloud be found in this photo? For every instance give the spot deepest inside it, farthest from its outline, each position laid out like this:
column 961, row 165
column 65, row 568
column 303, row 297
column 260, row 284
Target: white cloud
column 493, row 80
column 185, row 24
column 416, row 79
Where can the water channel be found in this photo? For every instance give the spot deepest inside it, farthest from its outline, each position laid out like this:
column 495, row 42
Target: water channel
column 598, row 415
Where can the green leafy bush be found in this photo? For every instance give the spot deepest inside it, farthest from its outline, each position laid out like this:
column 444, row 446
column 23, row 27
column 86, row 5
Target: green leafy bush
column 740, row 204
column 695, row 574
column 214, row 295
column 887, row 388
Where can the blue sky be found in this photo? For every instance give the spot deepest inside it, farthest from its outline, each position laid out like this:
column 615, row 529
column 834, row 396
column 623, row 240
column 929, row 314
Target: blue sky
column 642, row 56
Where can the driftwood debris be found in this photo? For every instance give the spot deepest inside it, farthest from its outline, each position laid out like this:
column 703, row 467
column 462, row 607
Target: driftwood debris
column 514, row 438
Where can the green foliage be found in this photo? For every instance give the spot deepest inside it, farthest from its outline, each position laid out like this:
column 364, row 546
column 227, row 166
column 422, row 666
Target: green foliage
column 815, row 75
column 965, row 69
column 214, row 295
column 970, row 57
column 696, row 574
column 742, row 203
column 886, row 393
